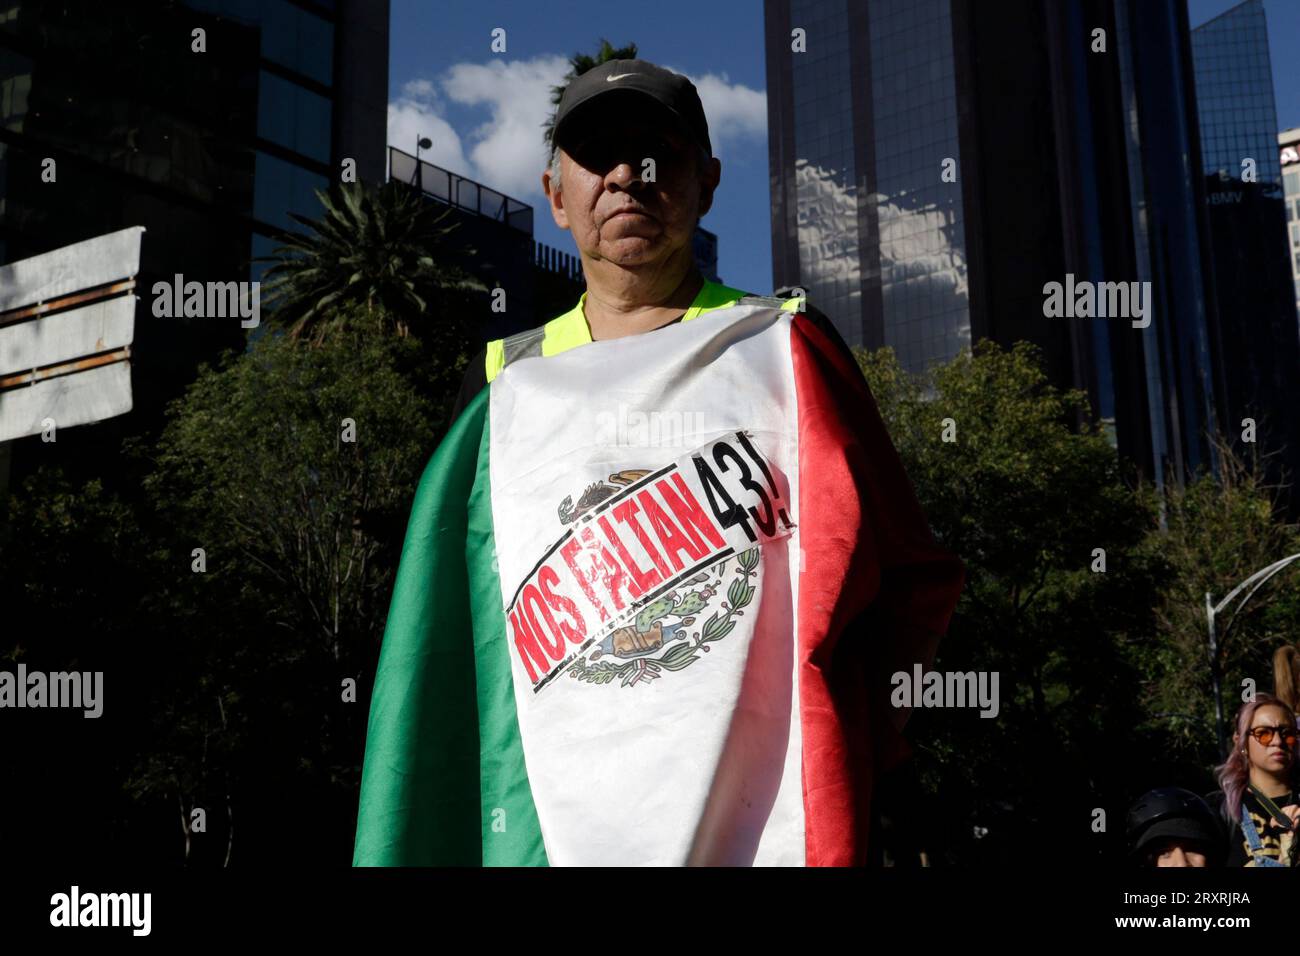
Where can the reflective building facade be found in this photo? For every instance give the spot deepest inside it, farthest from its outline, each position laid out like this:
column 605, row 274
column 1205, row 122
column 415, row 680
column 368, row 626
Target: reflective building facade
column 117, row 115
column 863, row 221
column 1257, row 352
column 934, row 167
column 210, row 151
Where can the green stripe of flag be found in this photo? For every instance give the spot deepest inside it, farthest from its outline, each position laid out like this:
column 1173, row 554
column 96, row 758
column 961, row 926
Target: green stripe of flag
column 443, row 751
column 512, row 835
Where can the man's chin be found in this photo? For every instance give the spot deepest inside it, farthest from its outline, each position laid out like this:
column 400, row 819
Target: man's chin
column 631, row 250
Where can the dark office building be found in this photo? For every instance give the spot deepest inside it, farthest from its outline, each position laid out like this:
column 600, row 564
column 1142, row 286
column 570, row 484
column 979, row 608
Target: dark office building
column 209, row 151
column 934, row 167
column 1258, row 347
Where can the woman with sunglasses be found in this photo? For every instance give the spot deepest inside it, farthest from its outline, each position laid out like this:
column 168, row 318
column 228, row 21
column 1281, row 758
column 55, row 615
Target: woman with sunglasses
column 1259, row 784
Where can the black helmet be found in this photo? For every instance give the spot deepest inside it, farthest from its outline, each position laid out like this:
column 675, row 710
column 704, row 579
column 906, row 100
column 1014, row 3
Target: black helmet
column 1172, row 813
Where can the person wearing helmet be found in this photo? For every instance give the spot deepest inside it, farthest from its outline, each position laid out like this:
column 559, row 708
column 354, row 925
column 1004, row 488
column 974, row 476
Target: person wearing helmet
column 1171, row 826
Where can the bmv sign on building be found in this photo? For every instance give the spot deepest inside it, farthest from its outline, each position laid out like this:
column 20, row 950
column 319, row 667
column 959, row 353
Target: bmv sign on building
column 67, row 320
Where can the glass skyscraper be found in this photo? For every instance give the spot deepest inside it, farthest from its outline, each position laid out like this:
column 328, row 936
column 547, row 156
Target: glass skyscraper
column 877, row 234
column 933, row 168
column 1257, row 351
column 1234, row 96
column 250, row 127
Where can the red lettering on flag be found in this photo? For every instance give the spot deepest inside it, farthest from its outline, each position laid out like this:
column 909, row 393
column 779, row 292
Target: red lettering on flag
column 548, row 637
column 584, row 576
column 670, row 536
column 644, row 580
column 611, row 574
column 574, row 632
column 626, row 512
column 527, row 647
column 688, row 511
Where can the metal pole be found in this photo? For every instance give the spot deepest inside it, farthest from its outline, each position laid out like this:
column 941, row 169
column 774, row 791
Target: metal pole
column 1216, row 678
column 1258, row 579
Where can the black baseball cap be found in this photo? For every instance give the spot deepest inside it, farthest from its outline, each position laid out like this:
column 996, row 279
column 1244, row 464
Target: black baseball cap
column 672, row 91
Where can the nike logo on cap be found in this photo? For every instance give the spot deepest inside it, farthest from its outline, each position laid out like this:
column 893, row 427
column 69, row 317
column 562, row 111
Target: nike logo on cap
column 617, row 76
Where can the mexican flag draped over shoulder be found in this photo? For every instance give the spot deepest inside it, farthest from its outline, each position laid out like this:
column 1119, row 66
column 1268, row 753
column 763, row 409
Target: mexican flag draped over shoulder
column 651, row 592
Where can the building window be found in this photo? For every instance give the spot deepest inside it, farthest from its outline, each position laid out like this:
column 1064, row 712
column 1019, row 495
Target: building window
column 292, row 116
column 291, row 36
column 299, row 40
column 280, row 188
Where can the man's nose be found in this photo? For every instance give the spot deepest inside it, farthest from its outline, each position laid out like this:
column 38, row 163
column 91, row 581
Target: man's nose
column 625, row 176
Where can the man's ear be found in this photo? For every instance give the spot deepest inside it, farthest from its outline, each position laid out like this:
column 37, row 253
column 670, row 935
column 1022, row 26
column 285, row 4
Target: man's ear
column 710, row 176
column 555, row 197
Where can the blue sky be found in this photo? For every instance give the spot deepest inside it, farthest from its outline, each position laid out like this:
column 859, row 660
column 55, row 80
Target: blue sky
column 445, row 81
column 483, row 109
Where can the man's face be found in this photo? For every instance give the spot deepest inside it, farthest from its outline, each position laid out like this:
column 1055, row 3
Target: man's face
column 1175, row 852
column 613, row 212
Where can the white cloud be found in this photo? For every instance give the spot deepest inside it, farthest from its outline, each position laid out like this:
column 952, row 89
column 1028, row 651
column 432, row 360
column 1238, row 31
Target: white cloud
column 417, row 112
column 505, row 150
column 736, row 113
column 508, row 152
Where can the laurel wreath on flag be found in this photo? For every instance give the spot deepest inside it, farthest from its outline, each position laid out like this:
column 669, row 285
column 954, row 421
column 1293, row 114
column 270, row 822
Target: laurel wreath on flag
column 643, row 670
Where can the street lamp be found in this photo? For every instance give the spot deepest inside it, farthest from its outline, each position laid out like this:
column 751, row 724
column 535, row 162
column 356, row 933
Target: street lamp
column 421, row 142
column 1212, row 611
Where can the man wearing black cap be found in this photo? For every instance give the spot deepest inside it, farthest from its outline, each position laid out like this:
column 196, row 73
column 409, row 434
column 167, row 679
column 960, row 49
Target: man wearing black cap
column 631, row 173
column 547, row 696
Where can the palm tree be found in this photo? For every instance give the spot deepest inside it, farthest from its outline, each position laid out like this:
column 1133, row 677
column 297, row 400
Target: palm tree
column 580, row 63
column 380, row 253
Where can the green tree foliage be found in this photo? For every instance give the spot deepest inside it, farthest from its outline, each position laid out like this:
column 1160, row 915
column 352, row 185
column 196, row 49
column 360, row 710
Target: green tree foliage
column 381, row 254
column 1220, row 531
column 74, row 566
column 225, row 687
column 1025, row 501
column 302, row 530
column 256, row 462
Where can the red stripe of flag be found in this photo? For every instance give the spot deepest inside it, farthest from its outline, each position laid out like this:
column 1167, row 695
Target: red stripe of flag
column 875, row 593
